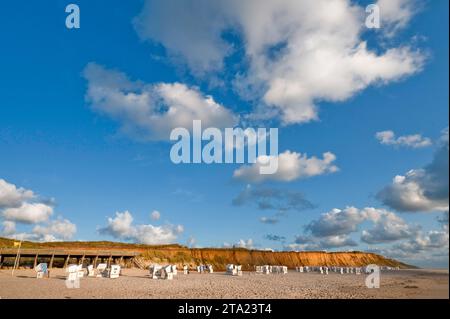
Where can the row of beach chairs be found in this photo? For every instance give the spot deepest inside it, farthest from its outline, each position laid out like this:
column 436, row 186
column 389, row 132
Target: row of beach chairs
column 77, row 271
column 267, row 269
column 101, row 271
column 205, row 268
column 340, row 270
column 169, row 271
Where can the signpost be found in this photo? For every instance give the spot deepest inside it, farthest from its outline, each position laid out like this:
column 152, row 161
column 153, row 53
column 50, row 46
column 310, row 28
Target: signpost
column 16, row 261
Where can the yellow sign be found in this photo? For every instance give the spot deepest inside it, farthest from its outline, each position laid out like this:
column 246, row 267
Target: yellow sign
column 17, row 244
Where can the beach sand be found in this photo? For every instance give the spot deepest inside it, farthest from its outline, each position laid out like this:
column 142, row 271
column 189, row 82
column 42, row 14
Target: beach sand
column 135, row 283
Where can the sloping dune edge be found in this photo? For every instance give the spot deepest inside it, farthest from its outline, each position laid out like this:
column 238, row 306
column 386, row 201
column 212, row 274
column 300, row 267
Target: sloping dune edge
column 220, row 257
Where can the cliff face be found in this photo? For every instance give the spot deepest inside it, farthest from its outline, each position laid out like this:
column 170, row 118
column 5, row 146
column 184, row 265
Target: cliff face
column 219, row 258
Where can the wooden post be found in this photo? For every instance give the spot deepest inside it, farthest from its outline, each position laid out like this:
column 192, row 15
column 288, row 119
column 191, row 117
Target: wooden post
column 51, row 261
column 82, row 259
column 121, row 260
column 1, row 261
column 95, row 261
column 67, row 261
column 35, row 260
column 109, row 261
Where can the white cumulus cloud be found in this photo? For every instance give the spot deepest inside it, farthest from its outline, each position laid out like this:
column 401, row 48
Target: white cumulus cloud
column 387, row 226
column 424, row 189
column 291, row 166
column 29, row 213
column 151, row 111
column 59, row 228
column 297, row 53
column 122, row 227
column 396, row 14
column 21, row 206
column 11, row 196
column 413, row 141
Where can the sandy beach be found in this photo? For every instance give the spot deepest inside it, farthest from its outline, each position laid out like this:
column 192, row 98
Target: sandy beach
column 135, row 283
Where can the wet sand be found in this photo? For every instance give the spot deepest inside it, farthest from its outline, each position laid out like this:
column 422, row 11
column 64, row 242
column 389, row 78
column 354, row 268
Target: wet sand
column 135, row 283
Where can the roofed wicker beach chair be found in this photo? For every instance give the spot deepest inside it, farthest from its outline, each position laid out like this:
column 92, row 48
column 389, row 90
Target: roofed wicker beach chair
column 91, row 271
column 266, row 269
column 80, row 271
column 210, row 269
column 167, row 272
column 155, row 271
column 72, row 273
column 101, row 270
column 231, row 270
column 41, row 270
column 114, row 272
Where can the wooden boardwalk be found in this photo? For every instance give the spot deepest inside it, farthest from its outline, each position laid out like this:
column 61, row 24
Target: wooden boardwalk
column 63, row 257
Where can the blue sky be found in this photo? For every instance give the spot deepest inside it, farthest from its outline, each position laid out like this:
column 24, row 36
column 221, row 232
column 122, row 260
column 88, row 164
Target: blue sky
column 70, row 150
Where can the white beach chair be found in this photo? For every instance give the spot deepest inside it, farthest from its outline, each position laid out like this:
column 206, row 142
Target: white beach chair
column 233, row 270
column 114, row 272
column 72, row 275
column 266, row 269
column 80, row 271
column 41, row 270
column 155, row 271
column 73, row 268
column 239, row 270
column 90, row 270
column 166, row 273
column 101, row 270
column 72, row 279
